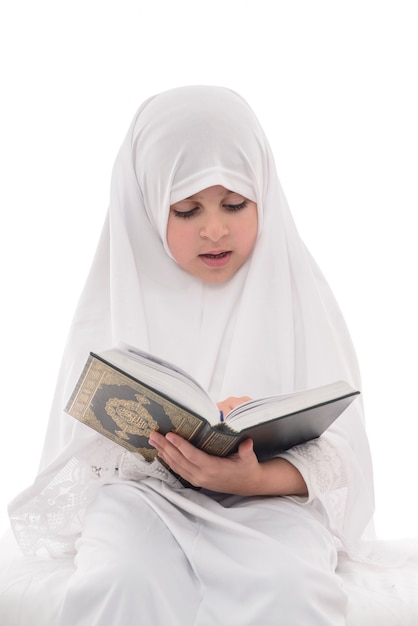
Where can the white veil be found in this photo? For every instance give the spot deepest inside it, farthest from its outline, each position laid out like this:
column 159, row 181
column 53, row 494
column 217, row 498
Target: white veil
column 274, row 327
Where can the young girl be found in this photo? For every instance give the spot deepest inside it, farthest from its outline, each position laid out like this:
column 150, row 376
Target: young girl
column 200, row 263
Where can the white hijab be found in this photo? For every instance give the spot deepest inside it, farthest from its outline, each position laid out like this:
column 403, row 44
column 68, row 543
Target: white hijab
column 274, row 327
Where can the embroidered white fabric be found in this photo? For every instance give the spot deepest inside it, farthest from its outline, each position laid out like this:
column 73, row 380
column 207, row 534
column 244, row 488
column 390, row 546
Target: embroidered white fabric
column 51, row 519
column 324, row 471
column 320, row 464
column 135, row 467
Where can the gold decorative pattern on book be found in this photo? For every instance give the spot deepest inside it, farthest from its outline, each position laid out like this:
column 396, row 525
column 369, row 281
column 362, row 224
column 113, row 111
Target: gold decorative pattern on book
column 219, row 443
column 122, row 418
column 131, row 416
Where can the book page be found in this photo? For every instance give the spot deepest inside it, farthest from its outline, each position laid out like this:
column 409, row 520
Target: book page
column 166, row 378
column 265, row 409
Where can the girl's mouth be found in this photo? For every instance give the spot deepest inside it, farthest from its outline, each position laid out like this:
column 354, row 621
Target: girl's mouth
column 219, row 259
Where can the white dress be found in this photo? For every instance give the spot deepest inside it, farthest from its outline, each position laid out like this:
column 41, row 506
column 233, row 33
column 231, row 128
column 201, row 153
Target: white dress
column 192, row 560
column 148, row 551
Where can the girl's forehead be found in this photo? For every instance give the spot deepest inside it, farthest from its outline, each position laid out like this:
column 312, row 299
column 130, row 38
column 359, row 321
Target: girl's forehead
column 215, row 183
column 213, row 191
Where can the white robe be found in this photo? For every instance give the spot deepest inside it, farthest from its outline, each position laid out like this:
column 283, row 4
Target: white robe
column 154, row 554
column 274, row 327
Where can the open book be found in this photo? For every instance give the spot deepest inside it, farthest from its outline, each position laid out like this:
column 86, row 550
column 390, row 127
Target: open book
column 125, row 394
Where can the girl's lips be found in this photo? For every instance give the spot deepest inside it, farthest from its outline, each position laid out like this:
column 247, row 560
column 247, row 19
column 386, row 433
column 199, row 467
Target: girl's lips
column 216, row 259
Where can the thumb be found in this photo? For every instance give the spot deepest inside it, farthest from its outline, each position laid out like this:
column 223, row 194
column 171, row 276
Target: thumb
column 246, row 448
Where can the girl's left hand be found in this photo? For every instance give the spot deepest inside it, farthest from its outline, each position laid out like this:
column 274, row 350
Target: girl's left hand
column 238, row 474
column 230, row 403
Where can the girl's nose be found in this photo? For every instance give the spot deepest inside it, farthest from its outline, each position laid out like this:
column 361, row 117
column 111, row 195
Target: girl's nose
column 214, row 228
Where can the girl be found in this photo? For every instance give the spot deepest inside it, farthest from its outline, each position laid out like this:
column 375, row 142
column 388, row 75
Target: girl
column 199, row 262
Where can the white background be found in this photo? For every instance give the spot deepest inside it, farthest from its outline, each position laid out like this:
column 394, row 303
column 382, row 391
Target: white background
column 335, row 86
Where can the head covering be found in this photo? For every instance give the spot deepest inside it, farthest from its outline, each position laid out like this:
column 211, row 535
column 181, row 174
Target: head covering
column 273, row 327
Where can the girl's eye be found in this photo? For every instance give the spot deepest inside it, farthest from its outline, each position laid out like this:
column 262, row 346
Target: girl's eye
column 191, row 212
column 236, row 207
column 185, row 214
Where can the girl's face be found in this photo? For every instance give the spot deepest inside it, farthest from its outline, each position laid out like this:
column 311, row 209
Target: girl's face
column 212, row 233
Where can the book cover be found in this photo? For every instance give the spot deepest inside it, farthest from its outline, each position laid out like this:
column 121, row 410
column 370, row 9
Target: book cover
column 126, row 410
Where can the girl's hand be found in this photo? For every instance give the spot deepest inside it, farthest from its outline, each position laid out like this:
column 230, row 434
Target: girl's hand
column 230, row 403
column 236, row 474
column 239, row 474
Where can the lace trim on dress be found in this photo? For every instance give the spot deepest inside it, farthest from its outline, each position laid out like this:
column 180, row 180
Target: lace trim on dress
column 51, row 520
column 134, row 467
column 324, row 471
column 322, row 463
